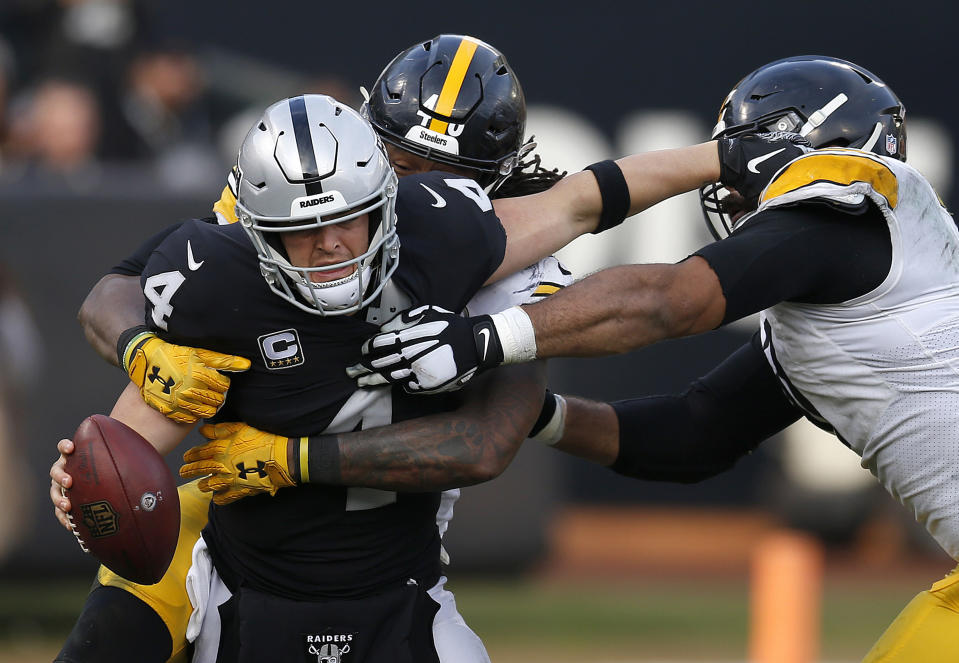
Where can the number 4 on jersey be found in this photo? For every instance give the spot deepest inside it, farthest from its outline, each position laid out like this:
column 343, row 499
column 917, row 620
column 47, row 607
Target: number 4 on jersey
column 159, row 290
column 473, row 191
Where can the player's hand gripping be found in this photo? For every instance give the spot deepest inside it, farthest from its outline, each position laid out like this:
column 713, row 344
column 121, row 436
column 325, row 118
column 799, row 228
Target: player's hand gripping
column 59, row 482
column 240, row 461
column 185, row 384
column 748, row 162
column 429, row 350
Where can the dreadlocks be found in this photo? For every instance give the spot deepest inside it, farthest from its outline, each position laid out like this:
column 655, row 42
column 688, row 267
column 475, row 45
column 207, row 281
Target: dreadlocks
column 528, row 177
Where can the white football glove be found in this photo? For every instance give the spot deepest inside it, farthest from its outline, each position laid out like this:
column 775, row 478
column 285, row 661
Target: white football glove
column 428, row 350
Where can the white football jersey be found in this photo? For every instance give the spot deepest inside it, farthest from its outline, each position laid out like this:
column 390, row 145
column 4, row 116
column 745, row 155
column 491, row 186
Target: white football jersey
column 524, row 287
column 883, row 369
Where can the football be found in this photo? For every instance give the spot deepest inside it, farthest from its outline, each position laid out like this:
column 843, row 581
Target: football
column 124, row 504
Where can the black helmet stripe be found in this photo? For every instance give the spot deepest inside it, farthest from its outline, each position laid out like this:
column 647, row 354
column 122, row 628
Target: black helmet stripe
column 304, row 145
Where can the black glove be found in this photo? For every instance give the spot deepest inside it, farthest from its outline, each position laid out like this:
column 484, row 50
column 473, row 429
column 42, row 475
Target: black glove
column 748, row 162
column 428, row 350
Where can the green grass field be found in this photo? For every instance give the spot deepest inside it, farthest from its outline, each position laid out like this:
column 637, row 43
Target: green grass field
column 636, row 620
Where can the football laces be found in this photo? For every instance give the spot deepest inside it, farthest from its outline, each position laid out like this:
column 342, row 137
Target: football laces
column 73, row 526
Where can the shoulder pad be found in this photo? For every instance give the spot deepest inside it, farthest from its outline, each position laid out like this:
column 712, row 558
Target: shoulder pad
column 836, row 169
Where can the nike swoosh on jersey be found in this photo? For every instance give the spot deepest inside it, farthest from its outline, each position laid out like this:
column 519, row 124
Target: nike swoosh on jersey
column 440, row 201
column 752, row 163
column 485, row 334
column 190, row 260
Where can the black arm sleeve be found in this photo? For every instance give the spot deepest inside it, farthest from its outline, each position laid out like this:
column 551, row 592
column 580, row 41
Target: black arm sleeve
column 811, row 253
column 704, row 431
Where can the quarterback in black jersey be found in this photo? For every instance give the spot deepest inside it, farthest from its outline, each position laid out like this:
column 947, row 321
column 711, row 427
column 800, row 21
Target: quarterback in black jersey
column 333, row 276
column 485, row 158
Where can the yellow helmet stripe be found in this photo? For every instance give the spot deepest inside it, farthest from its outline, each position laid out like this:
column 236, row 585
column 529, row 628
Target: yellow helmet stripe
column 844, row 169
column 453, row 83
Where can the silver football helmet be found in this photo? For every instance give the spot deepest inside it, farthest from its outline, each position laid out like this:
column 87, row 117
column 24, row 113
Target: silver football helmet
column 310, row 162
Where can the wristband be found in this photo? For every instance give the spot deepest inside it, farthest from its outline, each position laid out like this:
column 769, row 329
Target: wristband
column 551, row 424
column 130, row 338
column 516, row 335
column 320, row 463
column 297, row 458
column 614, row 191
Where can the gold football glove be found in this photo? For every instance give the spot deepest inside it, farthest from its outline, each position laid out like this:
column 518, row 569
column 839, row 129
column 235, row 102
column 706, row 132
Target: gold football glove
column 240, row 461
column 181, row 382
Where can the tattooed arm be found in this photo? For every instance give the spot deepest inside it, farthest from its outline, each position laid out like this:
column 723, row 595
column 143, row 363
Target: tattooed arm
column 469, row 445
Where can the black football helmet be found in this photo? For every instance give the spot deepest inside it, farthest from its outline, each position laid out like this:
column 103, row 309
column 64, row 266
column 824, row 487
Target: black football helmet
column 453, row 99
column 830, row 102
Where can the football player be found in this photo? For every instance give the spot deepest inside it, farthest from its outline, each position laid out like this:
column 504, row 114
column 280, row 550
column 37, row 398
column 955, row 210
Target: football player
column 654, row 189
column 317, row 243
column 490, row 109
column 850, row 260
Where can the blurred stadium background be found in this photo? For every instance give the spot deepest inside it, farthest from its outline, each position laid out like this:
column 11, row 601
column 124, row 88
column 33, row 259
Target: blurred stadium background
column 118, row 117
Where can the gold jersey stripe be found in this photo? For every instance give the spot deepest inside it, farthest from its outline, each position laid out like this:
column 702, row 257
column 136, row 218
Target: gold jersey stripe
column 226, row 205
column 453, row 83
column 843, row 169
column 545, row 289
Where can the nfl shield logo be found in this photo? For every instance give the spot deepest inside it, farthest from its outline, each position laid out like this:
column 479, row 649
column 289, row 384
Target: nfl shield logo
column 891, row 144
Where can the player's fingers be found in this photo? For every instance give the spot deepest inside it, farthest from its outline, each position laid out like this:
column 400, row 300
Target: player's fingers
column 200, row 401
column 404, row 319
column 218, row 482
column 411, row 352
column 191, row 471
column 222, row 362
column 161, row 406
column 388, row 360
column 65, row 446
column 217, row 431
column 380, row 341
column 59, row 475
column 57, row 498
column 62, row 518
column 209, row 378
column 377, row 379
column 202, row 452
column 199, row 461
column 182, row 417
column 356, row 370
column 372, row 380
column 228, row 496
column 425, row 329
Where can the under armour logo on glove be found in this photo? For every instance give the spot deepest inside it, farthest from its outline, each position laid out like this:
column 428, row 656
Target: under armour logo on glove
column 428, row 350
column 748, row 162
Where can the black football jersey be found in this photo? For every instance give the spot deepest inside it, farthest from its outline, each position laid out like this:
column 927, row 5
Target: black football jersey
column 204, row 288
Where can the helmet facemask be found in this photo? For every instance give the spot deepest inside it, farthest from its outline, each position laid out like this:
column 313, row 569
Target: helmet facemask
column 830, row 102
column 275, row 198
column 371, row 269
